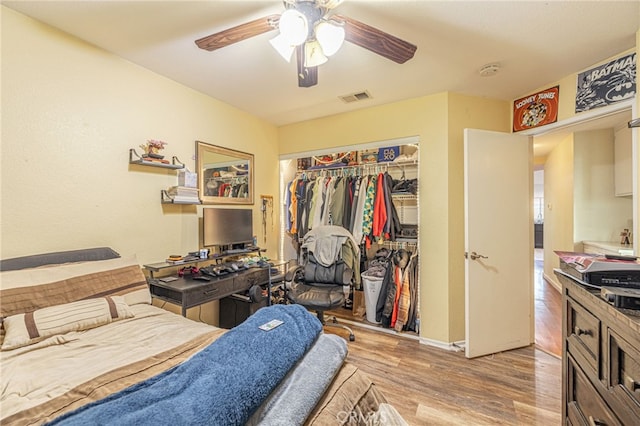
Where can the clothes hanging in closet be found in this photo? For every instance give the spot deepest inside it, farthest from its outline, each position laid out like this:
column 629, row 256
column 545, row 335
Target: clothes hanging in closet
column 360, row 204
column 396, row 306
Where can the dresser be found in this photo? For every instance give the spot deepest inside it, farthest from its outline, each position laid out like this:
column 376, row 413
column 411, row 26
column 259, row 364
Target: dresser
column 600, row 359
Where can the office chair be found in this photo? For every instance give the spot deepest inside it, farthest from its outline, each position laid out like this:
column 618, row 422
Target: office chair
column 326, row 267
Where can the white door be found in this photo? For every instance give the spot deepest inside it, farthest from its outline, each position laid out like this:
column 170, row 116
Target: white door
column 498, row 192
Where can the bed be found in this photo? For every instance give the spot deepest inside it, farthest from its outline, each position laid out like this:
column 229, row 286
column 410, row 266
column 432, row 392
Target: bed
column 82, row 344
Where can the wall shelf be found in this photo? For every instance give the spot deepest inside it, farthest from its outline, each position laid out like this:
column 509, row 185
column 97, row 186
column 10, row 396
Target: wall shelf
column 135, row 158
column 165, row 198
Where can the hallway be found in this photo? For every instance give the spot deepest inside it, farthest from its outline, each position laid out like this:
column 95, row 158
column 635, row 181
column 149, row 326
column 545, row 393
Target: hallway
column 548, row 311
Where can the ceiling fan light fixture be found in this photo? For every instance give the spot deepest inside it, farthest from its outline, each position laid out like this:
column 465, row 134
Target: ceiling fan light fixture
column 313, row 55
column 294, row 27
column 283, row 47
column 330, row 35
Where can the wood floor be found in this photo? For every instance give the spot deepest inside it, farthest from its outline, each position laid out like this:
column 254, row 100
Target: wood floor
column 432, row 386
column 548, row 313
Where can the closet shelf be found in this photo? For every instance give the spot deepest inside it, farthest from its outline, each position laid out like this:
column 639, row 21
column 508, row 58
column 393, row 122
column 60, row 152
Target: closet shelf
column 175, row 162
column 404, row 197
column 357, row 169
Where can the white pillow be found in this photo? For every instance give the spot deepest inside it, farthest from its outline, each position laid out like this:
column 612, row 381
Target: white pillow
column 27, row 290
column 32, row 327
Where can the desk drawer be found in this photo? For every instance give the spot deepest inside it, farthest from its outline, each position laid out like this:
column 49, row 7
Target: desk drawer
column 624, row 376
column 584, row 404
column 583, row 334
column 209, row 291
column 252, row 277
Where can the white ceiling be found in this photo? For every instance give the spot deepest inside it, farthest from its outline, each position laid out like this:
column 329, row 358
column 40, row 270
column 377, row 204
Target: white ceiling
column 535, row 43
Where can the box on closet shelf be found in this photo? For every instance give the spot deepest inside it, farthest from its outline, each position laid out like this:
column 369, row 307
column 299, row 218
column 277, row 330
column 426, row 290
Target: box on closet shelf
column 368, row 156
column 388, row 154
column 187, row 178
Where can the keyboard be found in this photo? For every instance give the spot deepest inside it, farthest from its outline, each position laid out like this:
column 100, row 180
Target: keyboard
column 235, row 251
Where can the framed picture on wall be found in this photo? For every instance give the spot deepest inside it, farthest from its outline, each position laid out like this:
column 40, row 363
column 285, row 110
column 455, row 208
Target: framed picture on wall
column 606, row 84
column 536, row 110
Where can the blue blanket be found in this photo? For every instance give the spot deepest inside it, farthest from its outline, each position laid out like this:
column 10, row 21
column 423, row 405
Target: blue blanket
column 221, row 385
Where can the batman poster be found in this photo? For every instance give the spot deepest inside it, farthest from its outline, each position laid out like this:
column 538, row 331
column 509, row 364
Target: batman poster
column 606, row 84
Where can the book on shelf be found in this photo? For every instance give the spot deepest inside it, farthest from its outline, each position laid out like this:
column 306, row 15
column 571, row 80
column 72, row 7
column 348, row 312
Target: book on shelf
column 155, row 160
column 177, row 261
column 181, row 195
column 186, row 200
column 183, row 191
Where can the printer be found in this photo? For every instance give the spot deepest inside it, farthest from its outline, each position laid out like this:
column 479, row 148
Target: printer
column 597, row 270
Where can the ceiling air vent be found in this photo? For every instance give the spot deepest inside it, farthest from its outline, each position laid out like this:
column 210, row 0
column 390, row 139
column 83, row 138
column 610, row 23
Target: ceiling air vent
column 354, row 97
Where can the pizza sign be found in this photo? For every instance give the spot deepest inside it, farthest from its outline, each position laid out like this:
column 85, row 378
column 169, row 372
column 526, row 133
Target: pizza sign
column 536, row 110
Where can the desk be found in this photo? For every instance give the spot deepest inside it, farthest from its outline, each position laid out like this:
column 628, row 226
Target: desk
column 217, row 258
column 188, row 293
column 276, row 278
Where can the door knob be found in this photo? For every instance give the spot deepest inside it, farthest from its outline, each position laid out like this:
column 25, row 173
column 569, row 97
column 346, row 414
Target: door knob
column 474, row 256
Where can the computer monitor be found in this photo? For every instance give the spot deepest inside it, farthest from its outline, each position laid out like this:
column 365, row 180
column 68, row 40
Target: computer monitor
column 226, row 227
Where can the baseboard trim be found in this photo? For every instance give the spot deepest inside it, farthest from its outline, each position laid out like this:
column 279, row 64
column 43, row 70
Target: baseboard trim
column 552, row 282
column 452, row 346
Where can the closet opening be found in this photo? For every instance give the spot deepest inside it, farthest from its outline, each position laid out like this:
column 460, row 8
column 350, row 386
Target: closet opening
column 371, row 190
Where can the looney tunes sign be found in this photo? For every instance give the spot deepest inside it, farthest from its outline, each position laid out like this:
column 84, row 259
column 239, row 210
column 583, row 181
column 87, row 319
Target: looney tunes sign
column 612, row 82
column 536, row 110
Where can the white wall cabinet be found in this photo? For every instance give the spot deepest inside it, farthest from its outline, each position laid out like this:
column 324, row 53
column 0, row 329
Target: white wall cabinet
column 622, row 160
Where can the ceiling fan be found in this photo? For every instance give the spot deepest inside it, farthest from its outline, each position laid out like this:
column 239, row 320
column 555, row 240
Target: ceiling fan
column 307, row 28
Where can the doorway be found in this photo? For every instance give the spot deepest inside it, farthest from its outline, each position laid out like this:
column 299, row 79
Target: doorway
column 548, row 299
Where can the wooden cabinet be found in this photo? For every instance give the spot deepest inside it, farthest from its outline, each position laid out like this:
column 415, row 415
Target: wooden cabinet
column 623, row 169
column 600, row 359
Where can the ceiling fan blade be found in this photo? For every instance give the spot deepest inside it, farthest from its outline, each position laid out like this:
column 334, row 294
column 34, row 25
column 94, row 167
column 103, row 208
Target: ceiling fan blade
column 377, row 41
column 238, row 33
column 307, row 77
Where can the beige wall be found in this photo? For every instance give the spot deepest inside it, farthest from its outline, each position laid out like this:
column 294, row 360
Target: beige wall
column 568, row 89
column 598, row 214
column 579, row 196
column 559, row 181
column 439, row 121
column 66, row 181
column 70, row 113
column 558, row 198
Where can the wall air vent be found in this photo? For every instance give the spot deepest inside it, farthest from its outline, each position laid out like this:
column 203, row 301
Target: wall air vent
column 355, row 97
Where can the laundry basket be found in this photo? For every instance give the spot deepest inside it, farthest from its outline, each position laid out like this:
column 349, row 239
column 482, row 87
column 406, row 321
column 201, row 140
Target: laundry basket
column 372, row 286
